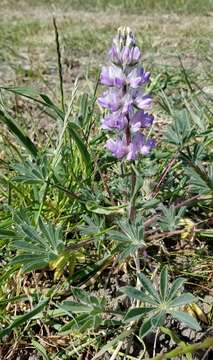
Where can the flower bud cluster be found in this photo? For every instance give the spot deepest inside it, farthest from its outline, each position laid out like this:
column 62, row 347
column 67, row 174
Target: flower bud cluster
column 125, row 100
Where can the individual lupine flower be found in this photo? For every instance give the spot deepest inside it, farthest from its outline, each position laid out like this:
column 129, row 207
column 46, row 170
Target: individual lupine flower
column 111, row 100
column 112, row 76
column 126, row 56
column 142, row 101
column 116, row 120
column 140, row 120
column 148, row 145
column 140, row 145
column 126, row 99
column 118, row 147
column 138, row 77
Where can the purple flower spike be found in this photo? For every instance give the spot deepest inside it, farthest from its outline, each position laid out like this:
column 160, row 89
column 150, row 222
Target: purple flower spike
column 126, row 100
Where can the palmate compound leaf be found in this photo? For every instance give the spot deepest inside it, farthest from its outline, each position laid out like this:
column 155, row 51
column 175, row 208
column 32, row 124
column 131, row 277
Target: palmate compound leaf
column 170, row 217
column 37, row 248
column 159, row 306
column 129, row 236
column 86, row 312
column 31, row 172
column 181, row 130
column 129, row 232
column 201, row 183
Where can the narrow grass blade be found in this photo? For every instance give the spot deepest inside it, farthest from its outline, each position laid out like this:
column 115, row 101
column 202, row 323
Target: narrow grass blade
column 23, row 318
column 18, row 133
column 41, row 350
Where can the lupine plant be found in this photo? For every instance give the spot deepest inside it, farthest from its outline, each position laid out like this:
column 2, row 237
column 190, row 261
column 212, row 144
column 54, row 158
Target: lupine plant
column 89, row 218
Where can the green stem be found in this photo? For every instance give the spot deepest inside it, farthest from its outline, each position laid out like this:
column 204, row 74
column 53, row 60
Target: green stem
column 132, row 210
column 42, row 200
column 180, row 350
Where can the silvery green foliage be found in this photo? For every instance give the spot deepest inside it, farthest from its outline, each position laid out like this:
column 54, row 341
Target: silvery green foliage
column 129, row 236
column 158, row 303
column 36, row 247
column 170, row 217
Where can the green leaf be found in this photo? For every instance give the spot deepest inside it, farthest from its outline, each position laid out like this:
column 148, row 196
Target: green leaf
column 181, row 130
column 98, row 209
column 73, row 307
column 29, row 173
column 164, row 282
column 81, row 295
column 158, row 319
column 21, row 319
column 81, row 323
column 41, row 350
column 47, row 102
column 35, row 95
column 182, row 300
column 185, row 349
column 112, row 343
column 87, row 272
column 126, row 251
column 187, row 319
column 148, row 287
column 176, row 286
column 172, row 334
column 138, row 295
column 74, row 132
column 19, row 133
column 146, row 327
column 201, row 181
column 136, row 313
